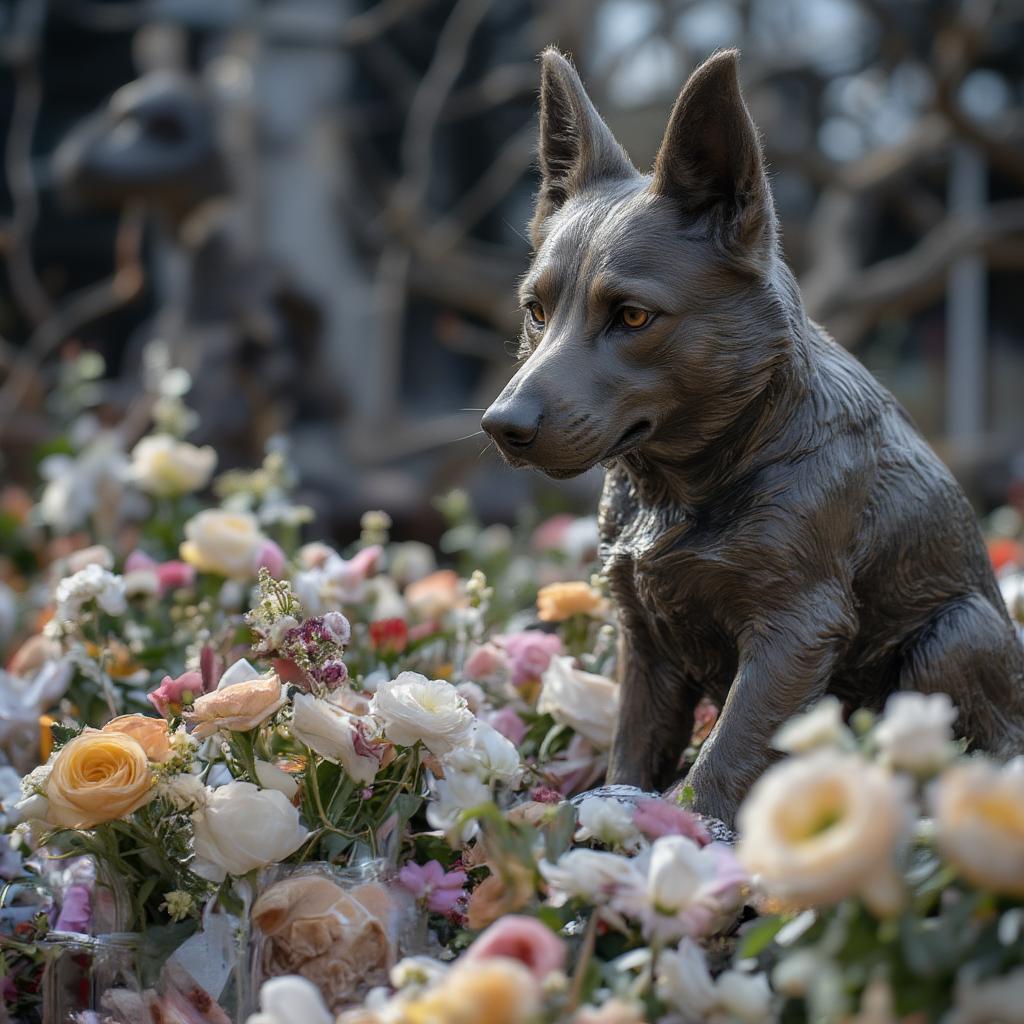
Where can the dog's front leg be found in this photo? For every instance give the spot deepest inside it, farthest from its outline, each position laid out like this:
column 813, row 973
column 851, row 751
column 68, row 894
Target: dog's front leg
column 786, row 661
column 655, row 713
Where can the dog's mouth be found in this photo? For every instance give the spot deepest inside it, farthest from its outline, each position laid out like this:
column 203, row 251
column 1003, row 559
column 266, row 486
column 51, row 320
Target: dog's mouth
column 632, row 438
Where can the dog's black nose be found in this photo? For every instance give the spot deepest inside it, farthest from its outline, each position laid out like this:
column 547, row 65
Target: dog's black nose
column 513, row 425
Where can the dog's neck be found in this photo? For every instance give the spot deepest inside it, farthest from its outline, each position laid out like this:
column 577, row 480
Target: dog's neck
column 756, row 434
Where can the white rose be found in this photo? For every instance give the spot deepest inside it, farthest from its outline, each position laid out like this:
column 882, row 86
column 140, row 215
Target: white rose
column 489, row 755
column 334, row 734
column 243, row 827
column 822, row 726
column 166, row 467
column 450, row 796
column 585, row 702
column 916, row 732
column 93, row 583
column 979, row 820
column 227, row 543
column 608, row 821
column 592, row 875
column 819, row 828
column 272, row 777
column 291, row 999
column 413, row 708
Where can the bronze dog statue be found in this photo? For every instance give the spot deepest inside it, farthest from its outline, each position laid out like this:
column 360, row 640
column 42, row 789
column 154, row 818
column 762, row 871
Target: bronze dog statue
column 773, row 527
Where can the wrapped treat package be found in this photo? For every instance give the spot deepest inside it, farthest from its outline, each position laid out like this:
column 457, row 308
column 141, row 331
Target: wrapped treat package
column 341, row 933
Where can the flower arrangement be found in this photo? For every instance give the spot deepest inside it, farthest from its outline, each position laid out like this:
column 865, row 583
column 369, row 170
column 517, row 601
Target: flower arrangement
column 360, row 785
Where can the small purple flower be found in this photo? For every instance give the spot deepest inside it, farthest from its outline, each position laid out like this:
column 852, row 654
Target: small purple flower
column 338, row 627
column 440, row 890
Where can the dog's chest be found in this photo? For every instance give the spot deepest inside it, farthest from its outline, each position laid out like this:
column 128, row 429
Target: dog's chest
column 660, row 559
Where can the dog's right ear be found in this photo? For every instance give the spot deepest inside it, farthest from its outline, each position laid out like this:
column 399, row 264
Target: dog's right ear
column 577, row 149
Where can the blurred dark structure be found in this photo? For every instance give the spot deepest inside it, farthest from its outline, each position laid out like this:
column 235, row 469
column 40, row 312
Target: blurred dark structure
column 332, row 234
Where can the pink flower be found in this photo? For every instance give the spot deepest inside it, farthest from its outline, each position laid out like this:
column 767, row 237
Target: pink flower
column 550, row 534
column 507, row 721
column 486, row 663
column 440, row 890
column 656, row 818
column 521, row 938
column 171, row 575
column 530, row 653
column 171, row 694
column 271, row 558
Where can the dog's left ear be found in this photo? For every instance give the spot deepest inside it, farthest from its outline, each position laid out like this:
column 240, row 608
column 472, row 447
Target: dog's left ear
column 710, row 158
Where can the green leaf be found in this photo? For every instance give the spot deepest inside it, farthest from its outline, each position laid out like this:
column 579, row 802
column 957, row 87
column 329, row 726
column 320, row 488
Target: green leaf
column 558, row 835
column 755, row 941
column 63, row 734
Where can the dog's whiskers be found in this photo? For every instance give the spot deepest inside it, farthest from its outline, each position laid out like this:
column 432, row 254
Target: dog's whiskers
column 456, row 440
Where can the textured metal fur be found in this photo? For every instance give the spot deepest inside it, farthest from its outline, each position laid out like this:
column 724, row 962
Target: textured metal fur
column 773, row 526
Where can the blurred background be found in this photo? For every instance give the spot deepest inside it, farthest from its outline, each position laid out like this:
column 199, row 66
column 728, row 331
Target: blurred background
column 308, row 216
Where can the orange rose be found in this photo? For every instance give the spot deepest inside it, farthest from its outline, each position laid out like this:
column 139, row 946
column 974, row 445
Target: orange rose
column 150, row 733
column 238, row 707
column 559, row 601
column 97, row 777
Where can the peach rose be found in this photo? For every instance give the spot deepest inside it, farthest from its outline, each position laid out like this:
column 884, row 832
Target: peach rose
column 97, row 777
column 150, row 733
column 237, row 708
column 559, row 601
column 432, row 596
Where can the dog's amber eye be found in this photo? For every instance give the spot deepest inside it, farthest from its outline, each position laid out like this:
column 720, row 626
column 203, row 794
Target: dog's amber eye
column 536, row 311
column 633, row 316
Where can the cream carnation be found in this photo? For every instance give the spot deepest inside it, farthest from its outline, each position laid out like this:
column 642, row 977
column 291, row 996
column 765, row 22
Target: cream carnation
column 413, row 708
column 166, row 467
column 819, row 828
column 585, row 702
column 93, row 583
column 822, row 726
column 979, row 818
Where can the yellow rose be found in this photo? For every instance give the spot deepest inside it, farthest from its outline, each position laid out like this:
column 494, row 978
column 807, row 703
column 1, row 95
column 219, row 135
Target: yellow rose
column 979, row 818
column 150, row 733
column 559, row 601
column 238, row 707
column 498, row 990
column 97, row 777
column 819, row 828
column 227, row 543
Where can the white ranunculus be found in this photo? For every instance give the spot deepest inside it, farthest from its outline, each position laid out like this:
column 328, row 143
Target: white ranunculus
column 488, row 754
column 979, row 820
column 450, row 796
column 291, row 999
column 821, row 827
column 413, row 708
column 608, row 821
column 916, row 732
column 592, row 875
column 335, row 735
column 227, row 543
column 166, row 467
column 243, row 827
column 585, row 702
column 822, row 726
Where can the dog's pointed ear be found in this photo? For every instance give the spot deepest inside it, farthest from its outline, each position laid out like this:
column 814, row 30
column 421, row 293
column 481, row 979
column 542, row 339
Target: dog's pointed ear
column 577, row 148
column 710, row 159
